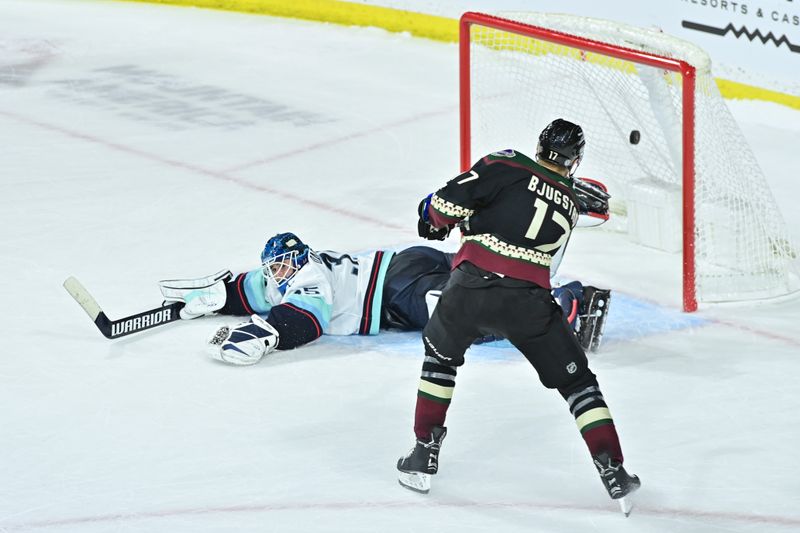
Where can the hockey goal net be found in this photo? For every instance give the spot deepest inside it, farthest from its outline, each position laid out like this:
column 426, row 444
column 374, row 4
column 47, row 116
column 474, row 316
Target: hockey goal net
column 658, row 134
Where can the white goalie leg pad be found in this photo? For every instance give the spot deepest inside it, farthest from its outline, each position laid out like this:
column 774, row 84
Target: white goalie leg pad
column 203, row 296
column 244, row 344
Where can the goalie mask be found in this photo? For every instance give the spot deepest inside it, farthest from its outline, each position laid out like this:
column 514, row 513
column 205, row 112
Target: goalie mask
column 283, row 255
column 561, row 143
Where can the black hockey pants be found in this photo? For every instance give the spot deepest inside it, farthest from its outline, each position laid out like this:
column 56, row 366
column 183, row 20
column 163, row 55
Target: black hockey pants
column 411, row 274
column 476, row 303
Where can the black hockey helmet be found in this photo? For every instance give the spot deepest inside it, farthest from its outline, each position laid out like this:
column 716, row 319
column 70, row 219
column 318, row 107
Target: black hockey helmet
column 561, row 143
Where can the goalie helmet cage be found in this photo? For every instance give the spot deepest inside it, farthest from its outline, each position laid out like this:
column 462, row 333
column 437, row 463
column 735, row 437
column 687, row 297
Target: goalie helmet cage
column 654, row 122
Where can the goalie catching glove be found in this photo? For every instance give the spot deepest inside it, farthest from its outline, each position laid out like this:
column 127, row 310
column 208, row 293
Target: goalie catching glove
column 245, row 344
column 202, row 296
column 593, row 199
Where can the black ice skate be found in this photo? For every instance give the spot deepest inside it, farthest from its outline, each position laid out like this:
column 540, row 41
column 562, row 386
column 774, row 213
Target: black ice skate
column 592, row 317
column 422, row 462
column 617, row 481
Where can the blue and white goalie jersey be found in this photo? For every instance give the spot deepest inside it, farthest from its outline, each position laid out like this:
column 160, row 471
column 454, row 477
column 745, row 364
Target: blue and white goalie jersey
column 341, row 293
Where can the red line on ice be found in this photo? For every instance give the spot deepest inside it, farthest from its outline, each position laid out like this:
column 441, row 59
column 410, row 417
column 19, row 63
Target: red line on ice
column 206, row 172
column 679, row 513
column 760, row 332
column 338, row 140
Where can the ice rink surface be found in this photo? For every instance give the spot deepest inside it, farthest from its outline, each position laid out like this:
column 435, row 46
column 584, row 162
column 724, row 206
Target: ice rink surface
column 143, row 142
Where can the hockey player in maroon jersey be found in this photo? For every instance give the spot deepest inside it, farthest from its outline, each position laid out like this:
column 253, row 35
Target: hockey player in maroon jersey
column 515, row 214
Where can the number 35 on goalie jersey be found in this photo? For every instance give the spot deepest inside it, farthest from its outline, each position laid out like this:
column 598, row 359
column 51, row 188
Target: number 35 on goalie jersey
column 516, row 214
column 340, row 293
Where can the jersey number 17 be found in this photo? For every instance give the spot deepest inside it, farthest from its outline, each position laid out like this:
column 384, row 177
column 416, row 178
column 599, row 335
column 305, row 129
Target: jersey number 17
column 541, row 210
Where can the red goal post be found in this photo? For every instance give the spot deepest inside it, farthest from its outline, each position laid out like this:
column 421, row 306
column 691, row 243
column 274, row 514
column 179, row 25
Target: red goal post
column 513, row 52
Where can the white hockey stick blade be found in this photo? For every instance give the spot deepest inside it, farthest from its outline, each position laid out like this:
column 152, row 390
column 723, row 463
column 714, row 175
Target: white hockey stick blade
column 626, row 505
column 416, row 481
column 82, row 296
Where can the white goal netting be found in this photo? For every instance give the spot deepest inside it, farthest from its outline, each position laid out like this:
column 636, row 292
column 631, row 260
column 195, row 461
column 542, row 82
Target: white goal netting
column 520, row 83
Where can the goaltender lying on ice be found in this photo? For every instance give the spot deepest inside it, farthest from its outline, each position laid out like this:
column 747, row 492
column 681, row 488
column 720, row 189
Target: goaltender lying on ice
column 299, row 294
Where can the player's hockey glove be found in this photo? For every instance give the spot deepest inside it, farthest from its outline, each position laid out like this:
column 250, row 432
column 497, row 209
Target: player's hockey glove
column 592, row 197
column 424, row 228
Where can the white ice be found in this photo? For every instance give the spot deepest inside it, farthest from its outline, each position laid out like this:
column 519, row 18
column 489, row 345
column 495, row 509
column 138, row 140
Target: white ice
column 142, row 142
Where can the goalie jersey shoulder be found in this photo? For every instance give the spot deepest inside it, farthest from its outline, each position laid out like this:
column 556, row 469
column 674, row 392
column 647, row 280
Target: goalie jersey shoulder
column 343, row 291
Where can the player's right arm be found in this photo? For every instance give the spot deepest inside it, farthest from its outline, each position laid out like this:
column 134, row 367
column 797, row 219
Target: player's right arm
column 460, row 197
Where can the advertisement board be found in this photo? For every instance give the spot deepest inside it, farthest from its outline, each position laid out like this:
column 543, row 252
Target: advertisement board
column 756, row 42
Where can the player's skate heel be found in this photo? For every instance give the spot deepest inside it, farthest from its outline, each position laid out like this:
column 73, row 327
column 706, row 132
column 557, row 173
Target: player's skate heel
column 422, row 462
column 617, row 481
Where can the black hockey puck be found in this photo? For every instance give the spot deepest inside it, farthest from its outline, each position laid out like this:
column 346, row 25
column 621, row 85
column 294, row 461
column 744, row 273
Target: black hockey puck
column 635, row 136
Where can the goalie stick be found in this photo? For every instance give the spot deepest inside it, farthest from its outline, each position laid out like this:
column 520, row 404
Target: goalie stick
column 113, row 329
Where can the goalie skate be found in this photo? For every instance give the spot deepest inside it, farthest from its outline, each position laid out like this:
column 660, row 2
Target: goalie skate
column 592, row 317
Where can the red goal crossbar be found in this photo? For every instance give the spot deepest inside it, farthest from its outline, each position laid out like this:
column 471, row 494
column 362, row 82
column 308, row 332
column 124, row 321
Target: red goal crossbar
column 687, row 71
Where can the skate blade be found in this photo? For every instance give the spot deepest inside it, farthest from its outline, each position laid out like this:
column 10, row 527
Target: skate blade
column 626, row 505
column 416, row 481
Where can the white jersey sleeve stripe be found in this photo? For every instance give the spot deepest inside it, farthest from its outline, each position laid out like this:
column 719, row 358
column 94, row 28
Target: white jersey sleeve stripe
column 373, row 294
column 255, row 292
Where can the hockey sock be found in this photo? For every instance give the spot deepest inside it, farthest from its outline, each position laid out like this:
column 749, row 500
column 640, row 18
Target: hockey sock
column 594, row 421
column 433, row 397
